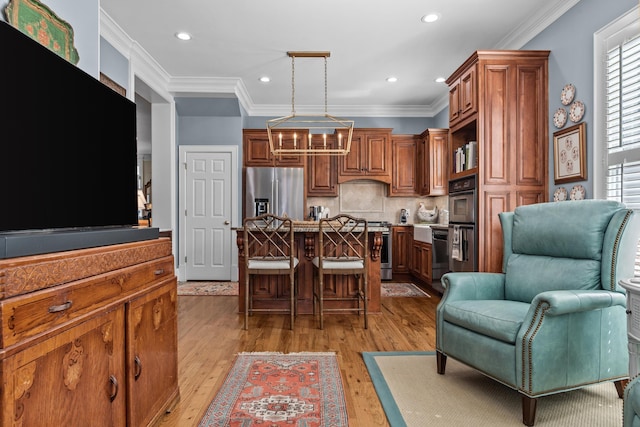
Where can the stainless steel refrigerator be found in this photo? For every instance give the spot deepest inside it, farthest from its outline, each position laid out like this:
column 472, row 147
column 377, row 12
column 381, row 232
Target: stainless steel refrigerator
column 275, row 190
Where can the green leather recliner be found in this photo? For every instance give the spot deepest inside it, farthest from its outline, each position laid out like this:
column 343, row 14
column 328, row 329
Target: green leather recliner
column 554, row 320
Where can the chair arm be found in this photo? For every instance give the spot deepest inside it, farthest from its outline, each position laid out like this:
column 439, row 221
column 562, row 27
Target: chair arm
column 473, row 286
column 574, row 301
column 631, row 404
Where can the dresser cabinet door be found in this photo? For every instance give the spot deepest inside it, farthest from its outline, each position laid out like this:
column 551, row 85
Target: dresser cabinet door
column 152, row 364
column 74, row 378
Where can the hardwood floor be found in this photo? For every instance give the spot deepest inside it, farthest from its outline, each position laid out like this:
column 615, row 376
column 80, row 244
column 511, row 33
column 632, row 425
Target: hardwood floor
column 210, row 334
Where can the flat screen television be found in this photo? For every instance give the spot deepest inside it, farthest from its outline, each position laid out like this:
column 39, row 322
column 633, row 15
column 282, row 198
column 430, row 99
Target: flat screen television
column 67, row 152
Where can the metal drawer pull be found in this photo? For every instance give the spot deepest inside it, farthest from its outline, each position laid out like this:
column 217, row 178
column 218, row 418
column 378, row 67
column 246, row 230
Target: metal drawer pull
column 159, row 272
column 138, row 370
column 114, row 387
column 61, row 307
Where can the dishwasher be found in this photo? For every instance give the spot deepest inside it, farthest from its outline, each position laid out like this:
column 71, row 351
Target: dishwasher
column 440, row 261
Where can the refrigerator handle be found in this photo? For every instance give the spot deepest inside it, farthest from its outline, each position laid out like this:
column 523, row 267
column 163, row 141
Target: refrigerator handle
column 276, row 196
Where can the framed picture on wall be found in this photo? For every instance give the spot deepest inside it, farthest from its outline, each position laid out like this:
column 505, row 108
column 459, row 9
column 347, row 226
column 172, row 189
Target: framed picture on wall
column 569, row 154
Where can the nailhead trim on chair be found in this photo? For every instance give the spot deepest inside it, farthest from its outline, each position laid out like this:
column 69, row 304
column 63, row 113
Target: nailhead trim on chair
column 541, row 309
column 616, row 244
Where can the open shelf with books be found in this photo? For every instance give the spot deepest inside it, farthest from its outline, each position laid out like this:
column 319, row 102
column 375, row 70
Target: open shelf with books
column 464, row 150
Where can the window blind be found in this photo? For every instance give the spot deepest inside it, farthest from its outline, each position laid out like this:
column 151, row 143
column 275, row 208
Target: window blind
column 623, row 126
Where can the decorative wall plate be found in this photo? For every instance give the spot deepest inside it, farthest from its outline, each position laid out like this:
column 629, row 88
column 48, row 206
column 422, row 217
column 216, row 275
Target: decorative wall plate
column 560, row 117
column 576, row 111
column 560, row 194
column 41, row 24
column 578, row 192
column 568, row 92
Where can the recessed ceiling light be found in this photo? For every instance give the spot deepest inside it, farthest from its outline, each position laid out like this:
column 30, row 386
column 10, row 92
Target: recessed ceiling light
column 392, row 79
column 183, row 35
column 441, row 80
column 265, row 79
column 431, row 17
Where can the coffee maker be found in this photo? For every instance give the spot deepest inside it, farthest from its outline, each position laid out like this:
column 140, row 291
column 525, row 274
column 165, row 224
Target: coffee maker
column 261, row 206
column 404, row 216
column 317, row 212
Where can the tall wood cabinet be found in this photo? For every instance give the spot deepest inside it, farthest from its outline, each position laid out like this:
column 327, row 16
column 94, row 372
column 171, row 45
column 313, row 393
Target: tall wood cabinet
column 89, row 337
column 500, row 100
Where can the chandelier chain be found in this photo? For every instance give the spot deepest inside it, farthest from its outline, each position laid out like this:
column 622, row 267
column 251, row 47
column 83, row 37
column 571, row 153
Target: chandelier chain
column 325, row 85
column 310, row 124
column 293, row 85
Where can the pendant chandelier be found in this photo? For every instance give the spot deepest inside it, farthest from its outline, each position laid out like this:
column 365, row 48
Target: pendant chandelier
column 316, row 127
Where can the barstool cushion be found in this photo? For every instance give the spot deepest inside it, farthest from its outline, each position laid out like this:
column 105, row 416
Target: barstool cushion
column 339, row 263
column 276, row 264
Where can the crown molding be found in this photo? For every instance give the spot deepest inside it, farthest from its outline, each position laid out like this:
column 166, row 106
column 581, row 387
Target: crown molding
column 534, row 25
column 141, row 64
column 145, row 66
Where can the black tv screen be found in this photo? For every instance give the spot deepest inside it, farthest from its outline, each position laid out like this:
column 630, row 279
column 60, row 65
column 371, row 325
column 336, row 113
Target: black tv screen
column 67, row 143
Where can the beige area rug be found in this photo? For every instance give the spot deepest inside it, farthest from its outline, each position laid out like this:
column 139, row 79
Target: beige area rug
column 231, row 288
column 207, row 288
column 414, row 395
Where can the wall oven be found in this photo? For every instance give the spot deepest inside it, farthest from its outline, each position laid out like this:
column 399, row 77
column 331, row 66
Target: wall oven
column 463, row 232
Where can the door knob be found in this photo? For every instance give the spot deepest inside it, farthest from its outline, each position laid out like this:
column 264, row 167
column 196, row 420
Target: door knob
column 226, row 223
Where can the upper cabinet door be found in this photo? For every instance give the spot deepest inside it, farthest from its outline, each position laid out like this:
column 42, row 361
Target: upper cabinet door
column 258, row 153
column 463, row 97
column 404, row 177
column 369, row 156
column 322, row 172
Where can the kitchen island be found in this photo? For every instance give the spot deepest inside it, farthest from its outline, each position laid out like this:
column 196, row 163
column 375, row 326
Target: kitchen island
column 273, row 291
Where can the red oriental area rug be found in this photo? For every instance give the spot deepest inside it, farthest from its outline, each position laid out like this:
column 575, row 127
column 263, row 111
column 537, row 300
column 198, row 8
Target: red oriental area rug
column 275, row 389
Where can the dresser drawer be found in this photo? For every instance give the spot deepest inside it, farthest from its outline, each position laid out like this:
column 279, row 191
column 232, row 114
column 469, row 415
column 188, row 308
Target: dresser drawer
column 27, row 315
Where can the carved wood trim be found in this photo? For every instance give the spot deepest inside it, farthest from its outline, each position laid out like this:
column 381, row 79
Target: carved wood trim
column 19, row 277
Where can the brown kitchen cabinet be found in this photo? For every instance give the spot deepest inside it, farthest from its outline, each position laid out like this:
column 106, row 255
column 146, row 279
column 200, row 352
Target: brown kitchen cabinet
column 509, row 121
column 322, row 171
column 404, row 165
column 463, row 95
column 256, row 150
column 89, row 337
column 368, row 158
column 433, row 162
column 401, row 241
column 421, row 258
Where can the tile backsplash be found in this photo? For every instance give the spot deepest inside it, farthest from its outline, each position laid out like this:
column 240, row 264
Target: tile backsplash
column 368, row 199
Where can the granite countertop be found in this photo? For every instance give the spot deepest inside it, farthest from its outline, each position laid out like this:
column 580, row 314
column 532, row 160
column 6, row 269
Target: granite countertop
column 443, row 226
column 315, row 228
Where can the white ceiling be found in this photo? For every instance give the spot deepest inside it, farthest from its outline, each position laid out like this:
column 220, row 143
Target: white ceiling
column 236, row 42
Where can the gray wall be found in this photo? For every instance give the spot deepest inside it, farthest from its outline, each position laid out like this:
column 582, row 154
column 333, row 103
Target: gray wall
column 570, row 40
column 113, row 64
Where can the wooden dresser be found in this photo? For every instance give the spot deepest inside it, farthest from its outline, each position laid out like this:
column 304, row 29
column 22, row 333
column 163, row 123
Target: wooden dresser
column 89, row 337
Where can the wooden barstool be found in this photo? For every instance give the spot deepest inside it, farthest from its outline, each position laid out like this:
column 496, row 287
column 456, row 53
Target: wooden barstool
column 269, row 250
column 343, row 250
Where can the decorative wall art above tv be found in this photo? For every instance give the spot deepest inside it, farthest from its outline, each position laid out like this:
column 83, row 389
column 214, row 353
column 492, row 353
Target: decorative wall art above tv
column 43, row 25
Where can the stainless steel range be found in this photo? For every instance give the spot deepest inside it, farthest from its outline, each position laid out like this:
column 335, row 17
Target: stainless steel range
column 385, row 251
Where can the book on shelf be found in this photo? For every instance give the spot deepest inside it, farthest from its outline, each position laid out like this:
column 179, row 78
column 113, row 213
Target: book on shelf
column 466, row 157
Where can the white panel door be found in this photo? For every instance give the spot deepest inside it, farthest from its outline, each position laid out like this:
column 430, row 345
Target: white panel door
column 208, row 215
